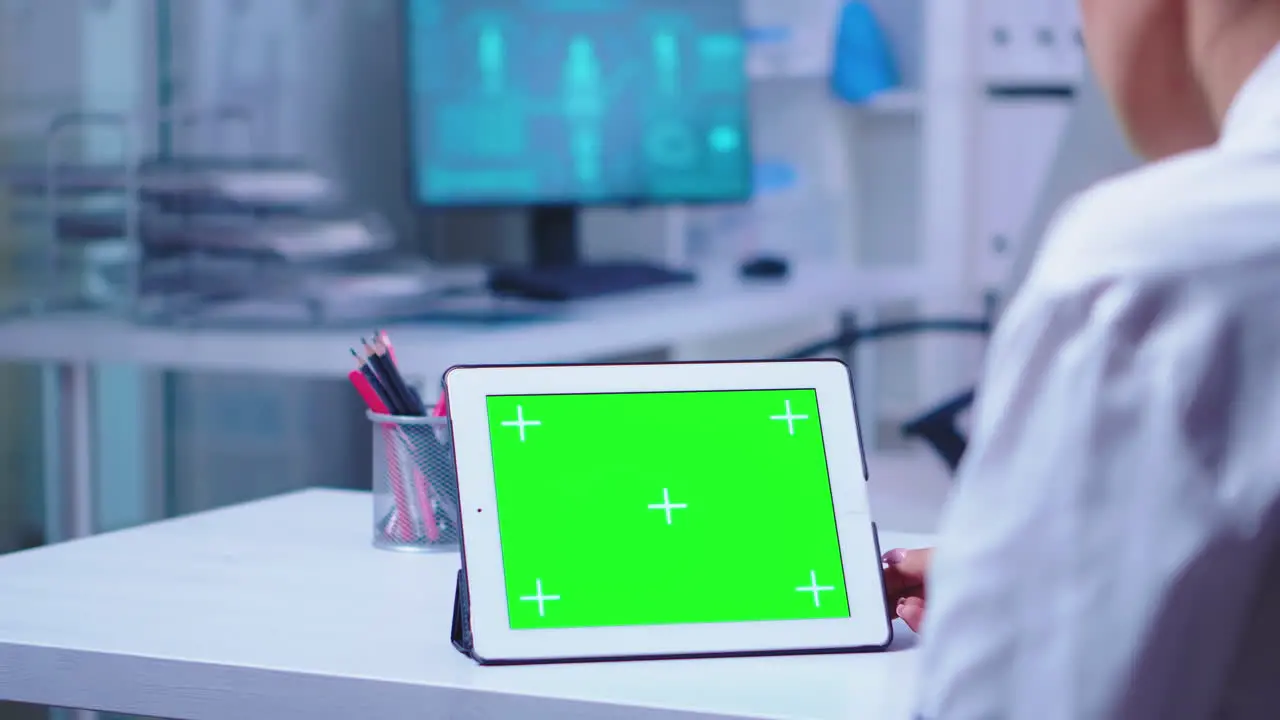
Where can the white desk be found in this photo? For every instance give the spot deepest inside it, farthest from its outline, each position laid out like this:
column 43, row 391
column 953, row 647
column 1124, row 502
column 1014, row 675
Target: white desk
column 721, row 304
column 280, row 609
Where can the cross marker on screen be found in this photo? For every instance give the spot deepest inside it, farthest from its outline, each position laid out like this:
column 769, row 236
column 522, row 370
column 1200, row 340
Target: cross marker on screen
column 790, row 419
column 520, row 422
column 540, row 599
column 815, row 588
column 667, row 506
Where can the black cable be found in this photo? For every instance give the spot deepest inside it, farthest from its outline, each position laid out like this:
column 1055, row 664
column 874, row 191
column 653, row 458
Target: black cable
column 936, row 427
column 880, row 332
column 850, row 340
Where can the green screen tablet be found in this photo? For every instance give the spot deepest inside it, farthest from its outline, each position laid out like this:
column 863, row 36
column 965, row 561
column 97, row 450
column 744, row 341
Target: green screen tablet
column 664, row 510
column 664, row 507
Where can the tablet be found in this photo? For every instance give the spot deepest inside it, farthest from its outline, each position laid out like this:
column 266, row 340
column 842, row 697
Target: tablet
column 664, row 510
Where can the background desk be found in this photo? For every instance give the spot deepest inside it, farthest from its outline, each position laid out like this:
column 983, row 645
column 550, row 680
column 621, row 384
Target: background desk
column 280, row 609
column 720, row 305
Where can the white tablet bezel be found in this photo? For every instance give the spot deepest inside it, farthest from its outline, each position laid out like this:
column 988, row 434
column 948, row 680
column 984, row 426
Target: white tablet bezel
column 494, row 640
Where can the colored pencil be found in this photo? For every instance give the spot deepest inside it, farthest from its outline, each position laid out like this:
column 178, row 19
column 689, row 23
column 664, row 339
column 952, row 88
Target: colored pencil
column 400, row 403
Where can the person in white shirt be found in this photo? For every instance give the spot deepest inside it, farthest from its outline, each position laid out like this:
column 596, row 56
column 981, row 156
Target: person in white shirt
column 1112, row 549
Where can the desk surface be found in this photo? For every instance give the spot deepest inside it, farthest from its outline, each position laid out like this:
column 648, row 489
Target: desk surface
column 720, row 304
column 281, row 609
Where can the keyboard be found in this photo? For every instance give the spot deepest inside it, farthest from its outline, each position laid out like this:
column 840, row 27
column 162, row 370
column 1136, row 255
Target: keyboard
column 580, row 282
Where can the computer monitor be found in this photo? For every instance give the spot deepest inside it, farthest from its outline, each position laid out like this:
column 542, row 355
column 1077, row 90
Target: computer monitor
column 558, row 104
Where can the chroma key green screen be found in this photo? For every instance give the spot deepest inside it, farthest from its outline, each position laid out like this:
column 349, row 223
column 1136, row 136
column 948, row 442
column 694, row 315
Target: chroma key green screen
column 664, row 508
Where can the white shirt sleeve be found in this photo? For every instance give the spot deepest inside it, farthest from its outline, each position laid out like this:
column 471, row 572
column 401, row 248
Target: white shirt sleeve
column 1113, row 530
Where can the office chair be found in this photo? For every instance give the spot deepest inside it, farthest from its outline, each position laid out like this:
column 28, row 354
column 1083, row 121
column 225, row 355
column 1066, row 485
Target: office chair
column 1092, row 148
column 938, row 427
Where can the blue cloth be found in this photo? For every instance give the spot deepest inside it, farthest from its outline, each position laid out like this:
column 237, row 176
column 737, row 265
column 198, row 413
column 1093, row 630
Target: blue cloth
column 863, row 66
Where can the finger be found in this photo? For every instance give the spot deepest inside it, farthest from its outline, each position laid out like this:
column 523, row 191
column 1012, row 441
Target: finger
column 900, row 603
column 911, row 610
column 909, row 563
column 905, row 571
column 897, row 585
column 893, row 602
column 911, row 602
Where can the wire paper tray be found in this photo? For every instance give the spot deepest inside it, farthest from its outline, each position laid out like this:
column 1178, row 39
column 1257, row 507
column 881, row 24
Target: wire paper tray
column 262, row 182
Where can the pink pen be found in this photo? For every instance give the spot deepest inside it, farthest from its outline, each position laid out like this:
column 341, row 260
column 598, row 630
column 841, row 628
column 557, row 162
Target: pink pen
column 421, row 487
column 424, row 499
column 401, row 526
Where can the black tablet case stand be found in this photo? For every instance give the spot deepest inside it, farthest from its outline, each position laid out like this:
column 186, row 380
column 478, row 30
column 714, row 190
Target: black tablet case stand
column 460, row 634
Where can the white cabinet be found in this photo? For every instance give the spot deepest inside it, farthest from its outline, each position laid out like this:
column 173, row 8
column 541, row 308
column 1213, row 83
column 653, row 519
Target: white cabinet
column 1030, row 42
column 1018, row 142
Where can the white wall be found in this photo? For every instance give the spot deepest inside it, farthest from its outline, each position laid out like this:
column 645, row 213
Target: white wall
column 321, row 80
column 61, row 57
column 861, row 198
column 324, row 79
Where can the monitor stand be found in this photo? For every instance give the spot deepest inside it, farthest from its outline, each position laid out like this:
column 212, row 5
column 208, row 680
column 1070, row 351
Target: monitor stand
column 557, row 271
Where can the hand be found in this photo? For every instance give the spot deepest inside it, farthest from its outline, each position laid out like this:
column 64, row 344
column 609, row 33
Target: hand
column 904, row 581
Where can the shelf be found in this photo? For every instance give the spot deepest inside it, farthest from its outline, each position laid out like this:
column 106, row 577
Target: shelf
column 894, row 102
column 1028, row 85
column 890, row 102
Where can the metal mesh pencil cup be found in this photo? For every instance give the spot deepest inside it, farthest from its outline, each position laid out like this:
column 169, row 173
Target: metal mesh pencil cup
column 415, row 488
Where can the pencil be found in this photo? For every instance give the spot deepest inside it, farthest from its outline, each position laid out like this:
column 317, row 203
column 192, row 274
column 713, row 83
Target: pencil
column 386, row 340
column 400, row 403
column 413, row 403
column 374, row 382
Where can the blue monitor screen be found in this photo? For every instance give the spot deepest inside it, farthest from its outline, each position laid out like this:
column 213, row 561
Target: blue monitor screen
column 529, row 102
